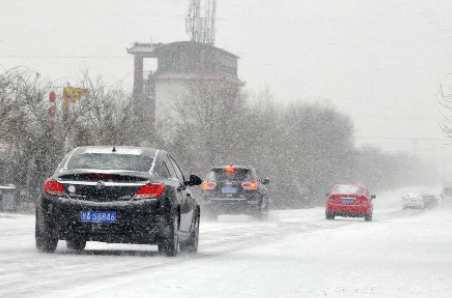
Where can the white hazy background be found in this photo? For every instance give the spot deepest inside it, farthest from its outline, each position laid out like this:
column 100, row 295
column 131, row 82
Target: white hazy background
column 380, row 61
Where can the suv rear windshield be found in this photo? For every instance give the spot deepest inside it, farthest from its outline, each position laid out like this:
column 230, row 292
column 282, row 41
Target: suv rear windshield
column 112, row 161
column 223, row 175
column 348, row 189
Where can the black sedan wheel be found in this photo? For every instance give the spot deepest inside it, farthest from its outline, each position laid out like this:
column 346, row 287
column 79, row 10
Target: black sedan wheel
column 191, row 246
column 46, row 238
column 262, row 214
column 170, row 246
column 78, row 245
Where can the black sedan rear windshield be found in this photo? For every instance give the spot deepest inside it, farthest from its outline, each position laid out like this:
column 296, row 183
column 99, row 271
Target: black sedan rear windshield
column 232, row 175
column 111, row 161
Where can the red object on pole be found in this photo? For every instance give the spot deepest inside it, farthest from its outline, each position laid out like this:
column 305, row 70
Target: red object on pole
column 52, row 96
column 52, row 111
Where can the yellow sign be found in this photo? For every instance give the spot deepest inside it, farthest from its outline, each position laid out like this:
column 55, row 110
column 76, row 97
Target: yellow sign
column 73, row 94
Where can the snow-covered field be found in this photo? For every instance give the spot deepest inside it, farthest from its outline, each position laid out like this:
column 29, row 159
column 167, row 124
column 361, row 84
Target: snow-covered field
column 297, row 253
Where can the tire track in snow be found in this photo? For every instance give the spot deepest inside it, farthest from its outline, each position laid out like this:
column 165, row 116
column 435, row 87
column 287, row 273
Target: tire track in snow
column 65, row 270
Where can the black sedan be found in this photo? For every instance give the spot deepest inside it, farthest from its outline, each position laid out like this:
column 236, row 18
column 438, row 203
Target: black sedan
column 235, row 190
column 118, row 195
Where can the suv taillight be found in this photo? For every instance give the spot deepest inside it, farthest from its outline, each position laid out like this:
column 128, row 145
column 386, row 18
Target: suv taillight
column 54, row 188
column 150, row 191
column 208, row 185
column 249, row 185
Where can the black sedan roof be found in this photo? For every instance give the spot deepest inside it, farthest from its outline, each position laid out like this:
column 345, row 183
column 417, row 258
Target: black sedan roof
column 117, row 149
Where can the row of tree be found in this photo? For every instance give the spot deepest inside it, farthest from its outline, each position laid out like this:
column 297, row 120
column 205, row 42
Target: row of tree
column 304, row 148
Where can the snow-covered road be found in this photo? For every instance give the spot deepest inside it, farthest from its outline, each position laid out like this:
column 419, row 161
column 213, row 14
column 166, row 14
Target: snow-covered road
column 297, row 253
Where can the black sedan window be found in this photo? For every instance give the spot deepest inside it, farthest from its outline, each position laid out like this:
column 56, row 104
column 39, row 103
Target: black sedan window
column 101, row 161
column 232, row 175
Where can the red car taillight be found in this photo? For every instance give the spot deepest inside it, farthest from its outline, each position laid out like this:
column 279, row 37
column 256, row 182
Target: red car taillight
column 54, row 188
column 334, row 199
column 150, row 191
column 208, row 185
column 249, row 185
column 362, row 200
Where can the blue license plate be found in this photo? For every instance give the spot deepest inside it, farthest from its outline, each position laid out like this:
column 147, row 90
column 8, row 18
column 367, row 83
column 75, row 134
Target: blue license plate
column 229, row 189
column 348, row 201
column 98, row 216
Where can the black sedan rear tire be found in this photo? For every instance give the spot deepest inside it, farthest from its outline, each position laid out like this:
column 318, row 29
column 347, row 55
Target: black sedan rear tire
column 262, row 214
column 78, row 245
column 170, row 246
column 45, row 242
column 191, row 246
column 46, row 237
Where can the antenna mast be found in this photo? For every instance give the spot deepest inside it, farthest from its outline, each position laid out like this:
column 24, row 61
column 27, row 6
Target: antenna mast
column 200, row 22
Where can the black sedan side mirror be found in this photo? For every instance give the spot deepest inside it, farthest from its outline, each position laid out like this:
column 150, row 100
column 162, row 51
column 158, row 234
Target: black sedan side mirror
column 265, row 181
column 194, row 180
column 373, row 197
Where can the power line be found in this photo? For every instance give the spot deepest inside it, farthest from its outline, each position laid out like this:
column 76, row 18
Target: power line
column 414, row 150
column 397, row 118
column 398, row 138
column 63, row 57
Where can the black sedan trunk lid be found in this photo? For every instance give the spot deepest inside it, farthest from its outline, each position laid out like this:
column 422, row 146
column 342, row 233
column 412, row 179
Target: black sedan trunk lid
column 104, row 186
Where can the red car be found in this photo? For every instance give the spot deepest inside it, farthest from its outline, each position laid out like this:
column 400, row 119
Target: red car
column 350, row 200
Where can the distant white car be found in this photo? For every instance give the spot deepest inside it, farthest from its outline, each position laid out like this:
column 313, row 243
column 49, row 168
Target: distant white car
column 413, row 201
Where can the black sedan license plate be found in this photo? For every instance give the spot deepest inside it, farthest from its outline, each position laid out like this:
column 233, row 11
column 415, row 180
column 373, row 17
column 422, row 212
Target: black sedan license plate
column 98, row 216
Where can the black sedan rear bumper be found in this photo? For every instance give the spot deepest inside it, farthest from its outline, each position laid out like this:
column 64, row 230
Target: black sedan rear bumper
column 230, row 206
column 142, row 222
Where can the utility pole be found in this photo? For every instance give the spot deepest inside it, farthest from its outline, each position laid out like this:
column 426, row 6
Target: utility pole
column 200, row 21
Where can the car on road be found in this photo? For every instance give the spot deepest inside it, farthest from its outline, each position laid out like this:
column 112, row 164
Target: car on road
column 118, row 195
column 430, row 201
column 413, row 200
column 349, row 200
column 234, row 190
column 446, row 195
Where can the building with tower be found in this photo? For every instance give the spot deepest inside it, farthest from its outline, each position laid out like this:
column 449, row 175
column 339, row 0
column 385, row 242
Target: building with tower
column 179, row 66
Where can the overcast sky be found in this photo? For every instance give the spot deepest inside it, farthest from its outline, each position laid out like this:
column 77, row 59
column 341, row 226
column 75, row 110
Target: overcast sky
column 381, row 61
